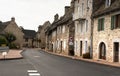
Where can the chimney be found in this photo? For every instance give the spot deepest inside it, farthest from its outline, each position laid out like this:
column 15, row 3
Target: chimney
column 56, row 17
column 67, row 9
column 13, row 19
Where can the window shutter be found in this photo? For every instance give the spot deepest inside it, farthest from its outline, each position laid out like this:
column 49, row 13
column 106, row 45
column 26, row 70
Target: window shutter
column 103, row 24
column 98, row 24
column 112, row 22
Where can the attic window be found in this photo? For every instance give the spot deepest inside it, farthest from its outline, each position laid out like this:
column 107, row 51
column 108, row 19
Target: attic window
column 108, row 3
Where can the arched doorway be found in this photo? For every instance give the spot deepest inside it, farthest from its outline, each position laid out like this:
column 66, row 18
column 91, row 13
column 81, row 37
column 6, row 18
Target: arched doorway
column 102, row 50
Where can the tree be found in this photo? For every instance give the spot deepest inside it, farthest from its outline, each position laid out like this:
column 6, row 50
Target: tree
column 3, row 40
column 10, row 37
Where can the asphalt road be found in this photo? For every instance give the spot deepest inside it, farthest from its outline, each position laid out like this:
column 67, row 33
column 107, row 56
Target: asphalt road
column 52, row 65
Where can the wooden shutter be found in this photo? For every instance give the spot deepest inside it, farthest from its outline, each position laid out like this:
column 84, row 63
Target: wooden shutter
column 112, row 22
column 102, row 23
column 98, row 24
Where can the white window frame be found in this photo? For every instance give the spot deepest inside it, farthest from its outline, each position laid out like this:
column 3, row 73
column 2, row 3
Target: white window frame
column 108, row 3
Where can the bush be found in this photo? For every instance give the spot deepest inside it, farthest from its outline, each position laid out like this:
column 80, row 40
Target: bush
column 3, row 40
column 86, row 55
column 12, row 46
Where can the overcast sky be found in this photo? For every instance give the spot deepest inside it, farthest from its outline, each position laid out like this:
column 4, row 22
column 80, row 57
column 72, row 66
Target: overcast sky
column 31, row 13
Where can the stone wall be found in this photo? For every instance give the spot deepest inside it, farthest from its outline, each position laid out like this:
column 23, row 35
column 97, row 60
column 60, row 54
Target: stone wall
column 13, row 28
column 107, row 36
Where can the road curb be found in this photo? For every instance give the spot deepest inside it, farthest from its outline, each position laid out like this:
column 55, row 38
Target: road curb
column 85, row 60
column 14, row 58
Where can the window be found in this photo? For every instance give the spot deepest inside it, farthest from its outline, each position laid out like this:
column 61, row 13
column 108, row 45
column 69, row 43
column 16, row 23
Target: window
column 86, row 25
column 115, row 22
column 26, row 40
column 108, row 3
column 78, row 8
column 101, row 24
column 87, row 4
column 86, row 46
column 63, row 29
column 82, row 8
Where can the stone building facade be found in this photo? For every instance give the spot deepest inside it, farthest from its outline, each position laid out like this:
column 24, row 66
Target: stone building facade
column 12, row 27
column 41, row 37
column 83, row 33
column 29, row 38
column 106, row 38
column 60, row 32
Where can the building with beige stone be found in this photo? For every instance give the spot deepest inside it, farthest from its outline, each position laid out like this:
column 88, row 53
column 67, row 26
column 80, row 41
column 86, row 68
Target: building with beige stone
column 12, row 27
column 60, row 32
column 41, row 34
column 29, row 38
column 83, row 33
column 106, row 38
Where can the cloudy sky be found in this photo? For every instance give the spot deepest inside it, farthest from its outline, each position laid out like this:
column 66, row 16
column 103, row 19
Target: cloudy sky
column 31, row 13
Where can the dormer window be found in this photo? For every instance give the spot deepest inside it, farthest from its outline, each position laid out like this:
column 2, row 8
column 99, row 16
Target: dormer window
column 108, row 3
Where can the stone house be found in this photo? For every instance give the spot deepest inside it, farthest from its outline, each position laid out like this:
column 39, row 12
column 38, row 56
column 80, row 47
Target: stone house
column 106, row 38
column 51, row 34
column 12, row 27
column 61, row 31
column 83, row 23
column 29, row 38
column 41, row 34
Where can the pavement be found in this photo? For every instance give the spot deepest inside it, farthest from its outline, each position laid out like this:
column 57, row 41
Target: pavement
column 12, row 54
column 100, row 61
column 53, row 65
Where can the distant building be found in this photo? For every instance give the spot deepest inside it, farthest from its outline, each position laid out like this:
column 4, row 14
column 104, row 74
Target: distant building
column 12, row 27
column 60, row 35
column 41, row 37
column 29, row 38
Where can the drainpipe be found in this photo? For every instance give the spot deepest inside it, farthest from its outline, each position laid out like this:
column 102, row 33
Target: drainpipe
column 92, row 27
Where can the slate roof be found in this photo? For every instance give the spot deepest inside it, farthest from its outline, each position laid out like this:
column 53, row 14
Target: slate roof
column 29, row 34
column 64, row 19
column 100, row 8
column 3, row 25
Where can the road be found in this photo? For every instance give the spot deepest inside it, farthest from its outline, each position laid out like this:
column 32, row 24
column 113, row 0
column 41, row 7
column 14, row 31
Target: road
column 52, row 65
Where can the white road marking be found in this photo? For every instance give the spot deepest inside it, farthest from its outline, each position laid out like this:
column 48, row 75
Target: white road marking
column 33, row 71
column 34, row 74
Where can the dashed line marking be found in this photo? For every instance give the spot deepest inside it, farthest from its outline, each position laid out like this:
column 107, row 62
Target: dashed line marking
column 33, row 71
column 34, row 74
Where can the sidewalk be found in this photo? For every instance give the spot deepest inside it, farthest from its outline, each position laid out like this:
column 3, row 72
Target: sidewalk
column 12, row 54
column 102, row 62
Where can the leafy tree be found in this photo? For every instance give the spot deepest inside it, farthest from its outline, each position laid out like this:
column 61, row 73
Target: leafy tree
column 2, row 40
column 10, row 37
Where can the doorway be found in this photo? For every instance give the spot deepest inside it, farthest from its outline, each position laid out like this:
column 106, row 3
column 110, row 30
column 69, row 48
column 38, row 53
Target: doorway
column 61, row 46
column 81, row 48
column 102, row 50
column 116, row 51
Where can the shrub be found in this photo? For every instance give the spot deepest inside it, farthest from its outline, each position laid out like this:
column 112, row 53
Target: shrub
column 86, row 55
column 12, row 46
column 3, row 40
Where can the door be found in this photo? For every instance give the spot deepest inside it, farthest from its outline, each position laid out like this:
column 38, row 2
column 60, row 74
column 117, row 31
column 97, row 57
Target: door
column 102, row 49
column 80, row 48
column 61, row 46
column 116, row 52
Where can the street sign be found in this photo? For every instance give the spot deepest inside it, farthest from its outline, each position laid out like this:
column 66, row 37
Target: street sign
column 70, row 43
column 4, row 53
